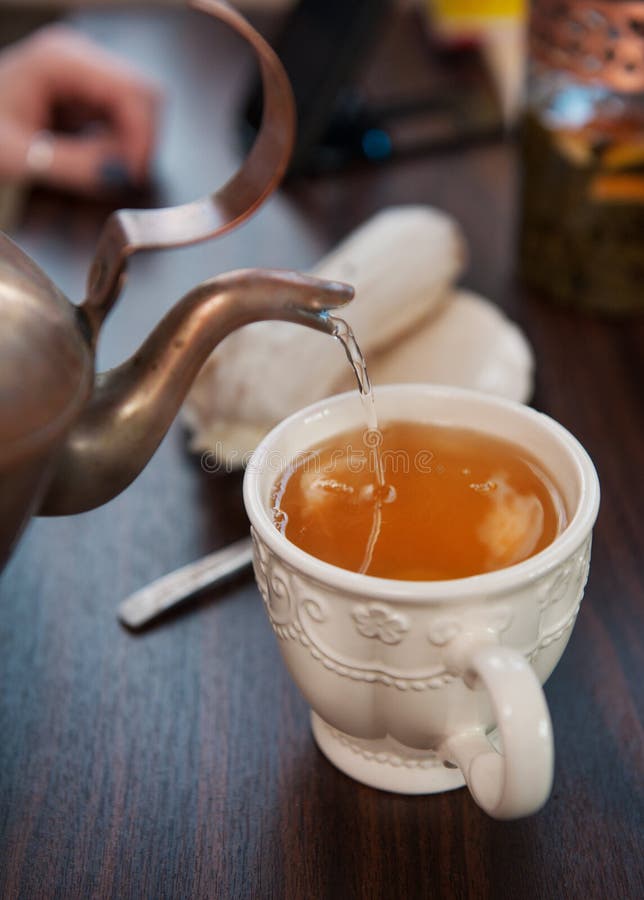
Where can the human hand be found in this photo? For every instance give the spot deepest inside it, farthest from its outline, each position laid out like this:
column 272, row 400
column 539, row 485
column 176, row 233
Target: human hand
column 58, row 68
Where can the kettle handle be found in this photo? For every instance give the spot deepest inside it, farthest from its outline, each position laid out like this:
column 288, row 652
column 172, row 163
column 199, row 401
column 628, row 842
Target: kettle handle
column 127, row 230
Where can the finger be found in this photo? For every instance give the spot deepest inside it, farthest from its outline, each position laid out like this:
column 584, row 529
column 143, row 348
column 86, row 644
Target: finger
column 80, row 164
column 15, row 146
column 75, row 64
column 135, row 120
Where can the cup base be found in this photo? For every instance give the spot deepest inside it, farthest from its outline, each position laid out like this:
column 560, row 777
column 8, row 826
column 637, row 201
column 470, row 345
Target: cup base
column 385, row 764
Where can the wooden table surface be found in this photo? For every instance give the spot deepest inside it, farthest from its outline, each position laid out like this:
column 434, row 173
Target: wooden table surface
column 179, row 763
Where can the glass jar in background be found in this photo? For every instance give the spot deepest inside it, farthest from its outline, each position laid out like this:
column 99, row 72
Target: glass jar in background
column 582, row 151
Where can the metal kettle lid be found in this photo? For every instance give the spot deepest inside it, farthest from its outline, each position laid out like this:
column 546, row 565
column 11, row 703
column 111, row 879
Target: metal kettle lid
column 45, row 364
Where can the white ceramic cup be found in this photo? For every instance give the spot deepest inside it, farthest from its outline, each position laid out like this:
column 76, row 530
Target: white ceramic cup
column 418, row 687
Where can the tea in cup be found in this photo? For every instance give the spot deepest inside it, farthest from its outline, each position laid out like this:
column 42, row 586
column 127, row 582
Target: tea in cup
column 422, row 684
column 418, row 502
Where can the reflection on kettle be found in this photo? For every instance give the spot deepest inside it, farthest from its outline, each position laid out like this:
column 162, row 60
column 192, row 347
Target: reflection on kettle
column 71, row 440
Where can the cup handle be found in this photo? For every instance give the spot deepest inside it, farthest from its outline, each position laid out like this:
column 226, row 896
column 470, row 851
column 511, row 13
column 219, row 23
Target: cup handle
column 517, row 781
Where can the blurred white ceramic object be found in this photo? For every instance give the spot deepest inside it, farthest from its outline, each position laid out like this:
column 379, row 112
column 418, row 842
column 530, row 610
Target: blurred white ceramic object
column 410, row 322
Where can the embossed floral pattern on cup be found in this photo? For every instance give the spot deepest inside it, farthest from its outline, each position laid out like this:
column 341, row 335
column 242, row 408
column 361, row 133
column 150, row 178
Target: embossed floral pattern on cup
column 377, row 620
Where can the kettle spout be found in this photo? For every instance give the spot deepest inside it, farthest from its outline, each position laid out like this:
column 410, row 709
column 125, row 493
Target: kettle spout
column 133, row 405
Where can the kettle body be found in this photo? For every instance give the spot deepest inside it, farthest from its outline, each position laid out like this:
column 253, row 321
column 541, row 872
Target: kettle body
column 70, row 438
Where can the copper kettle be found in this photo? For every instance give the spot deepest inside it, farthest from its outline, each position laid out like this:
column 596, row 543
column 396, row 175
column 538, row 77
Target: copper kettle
column 71, row 439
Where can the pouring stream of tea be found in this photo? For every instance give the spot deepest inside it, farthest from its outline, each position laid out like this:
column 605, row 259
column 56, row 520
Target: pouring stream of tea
column 373, row 436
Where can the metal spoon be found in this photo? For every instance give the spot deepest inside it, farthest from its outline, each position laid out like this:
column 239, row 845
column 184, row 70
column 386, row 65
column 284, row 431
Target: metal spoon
column 148, row 603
